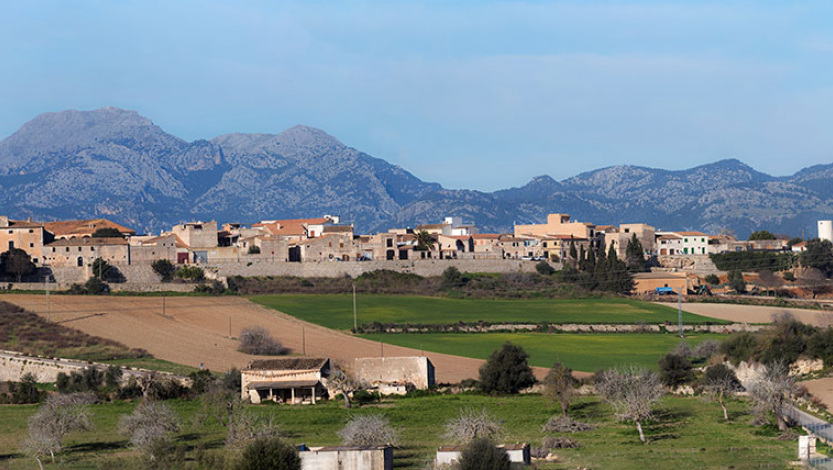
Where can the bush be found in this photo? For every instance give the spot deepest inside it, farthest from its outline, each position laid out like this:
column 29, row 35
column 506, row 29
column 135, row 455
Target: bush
column 451, row 278
column 268, row 453
column 25, row 391
column 95, row 286
column 190, row 273
column 820, row 345
column 256, row 340
column 739, row 347
column 254, row 250
column 712, row 279
column 506, row 371
column 789, row 276
column 363, row 397
column 551, row 443
column 164, row 268
column 544, row 268
column 214, row 288
column 675, row 370
column 483, row 454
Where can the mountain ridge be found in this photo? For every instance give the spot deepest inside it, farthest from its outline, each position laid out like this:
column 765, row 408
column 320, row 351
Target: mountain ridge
column 119, row 164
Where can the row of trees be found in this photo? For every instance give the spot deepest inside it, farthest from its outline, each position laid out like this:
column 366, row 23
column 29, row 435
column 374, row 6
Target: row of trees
column 597, row 270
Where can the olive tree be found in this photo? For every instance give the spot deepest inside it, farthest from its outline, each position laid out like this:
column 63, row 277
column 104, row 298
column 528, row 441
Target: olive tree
column 506, row 371
column 559, row 386
column 632, row 392
column 721, row 383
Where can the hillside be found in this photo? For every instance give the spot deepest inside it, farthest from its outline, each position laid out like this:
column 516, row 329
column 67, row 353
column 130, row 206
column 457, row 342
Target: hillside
column 117, row 164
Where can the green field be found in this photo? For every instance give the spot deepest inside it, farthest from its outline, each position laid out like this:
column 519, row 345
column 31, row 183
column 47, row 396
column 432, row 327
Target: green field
column 688, row 434
column 336, row 311
column 585, row 352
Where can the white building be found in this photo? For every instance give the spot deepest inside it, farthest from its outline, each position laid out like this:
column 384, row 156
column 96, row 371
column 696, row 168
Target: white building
column 682, row 243
column 826, row 230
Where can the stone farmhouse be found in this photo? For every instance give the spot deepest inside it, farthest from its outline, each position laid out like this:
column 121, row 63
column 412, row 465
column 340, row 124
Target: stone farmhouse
column 291, row 380
column 395, row 375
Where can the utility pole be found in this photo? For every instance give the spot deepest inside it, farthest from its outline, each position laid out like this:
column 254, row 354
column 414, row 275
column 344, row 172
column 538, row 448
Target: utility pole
column 229, row 327
column 48, row 302
column 355, row 321
column 304, row 339
column 163, row 304
column 680, row 311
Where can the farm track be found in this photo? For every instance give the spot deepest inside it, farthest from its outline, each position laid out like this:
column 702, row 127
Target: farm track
column 195, row 330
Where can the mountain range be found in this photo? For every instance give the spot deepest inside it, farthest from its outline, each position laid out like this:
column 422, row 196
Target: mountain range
column 117, row 164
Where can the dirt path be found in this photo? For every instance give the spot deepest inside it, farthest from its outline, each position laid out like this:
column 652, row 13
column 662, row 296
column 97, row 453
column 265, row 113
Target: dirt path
column 756, row 313
column 196, row 330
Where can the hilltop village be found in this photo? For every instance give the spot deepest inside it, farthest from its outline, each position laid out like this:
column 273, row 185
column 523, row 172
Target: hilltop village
column 327, row 247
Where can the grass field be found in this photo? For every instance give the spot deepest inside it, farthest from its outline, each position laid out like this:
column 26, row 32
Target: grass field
column 584, row 352
column 688, row 434
column 336, row 311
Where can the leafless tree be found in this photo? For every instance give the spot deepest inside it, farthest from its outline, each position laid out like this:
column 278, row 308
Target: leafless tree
column 559, row 386
column 813, row 280
column 470, row 424
column 774, row 391
column 150, row 427
column 770, row 280
column 57, row 417
column 368, row 430
column 256, row 340
column 706, row 349
column 225, row 407
column 632, row 392
column 721, row 384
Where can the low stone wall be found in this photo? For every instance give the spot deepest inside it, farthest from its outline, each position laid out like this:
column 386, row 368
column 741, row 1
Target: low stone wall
column 698, row 264
column 14, row 365
column 432, row 267
column 567, row 328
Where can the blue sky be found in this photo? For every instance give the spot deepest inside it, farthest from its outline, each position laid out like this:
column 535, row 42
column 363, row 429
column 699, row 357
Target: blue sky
column 481, row 95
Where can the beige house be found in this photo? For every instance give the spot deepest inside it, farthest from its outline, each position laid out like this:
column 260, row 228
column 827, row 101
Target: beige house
column 558, row 224
column 197, row 234
column 83, row 251
column 645, row 233
column 291, row 380
column 346, row 458
column 27, row 236
column 146, row 250
column 517, row 453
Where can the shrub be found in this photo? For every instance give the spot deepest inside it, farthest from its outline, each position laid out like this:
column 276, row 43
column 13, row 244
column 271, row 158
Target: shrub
column 739, row 347
column 214, row 288
column 268, row 453
column 25, row 391
column 190, row 273
column 551, row 443
column 164, row 268
column 470, row 425
column 789, row 276
column 506, row 371
column 712, row 279
column 363, row 397
column 483, row 454
column 544, row 268
column 451, row 278
column 256, row 340
column 96, row 286
column 820, row 345
column 706, row 349
column 736, row 281
column 675, row 370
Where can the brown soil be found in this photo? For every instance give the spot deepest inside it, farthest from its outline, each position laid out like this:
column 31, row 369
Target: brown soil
column 823, row 389
column 756, row 313
column 195, row 330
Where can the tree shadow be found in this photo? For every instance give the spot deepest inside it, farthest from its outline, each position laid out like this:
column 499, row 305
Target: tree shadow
column 584, row 410
column 97, row 446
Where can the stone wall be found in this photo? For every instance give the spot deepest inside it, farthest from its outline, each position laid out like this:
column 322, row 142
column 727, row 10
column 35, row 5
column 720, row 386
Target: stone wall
column 347, row 458
column 432, row 267
column 698, row 264
column 14, row 365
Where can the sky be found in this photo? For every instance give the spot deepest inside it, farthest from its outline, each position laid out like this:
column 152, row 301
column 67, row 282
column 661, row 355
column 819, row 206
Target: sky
column 478, row 95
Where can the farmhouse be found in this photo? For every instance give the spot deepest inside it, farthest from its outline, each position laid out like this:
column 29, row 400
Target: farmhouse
column 26, row 236
column 291, row 380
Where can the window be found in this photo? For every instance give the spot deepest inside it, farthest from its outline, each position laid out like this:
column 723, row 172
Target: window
column 31, row 231
column 31, row 245
column 67, row 249
column 35, row 260
column 79, row 248
column 11, row 246
column 627, row 230
column 685, row 240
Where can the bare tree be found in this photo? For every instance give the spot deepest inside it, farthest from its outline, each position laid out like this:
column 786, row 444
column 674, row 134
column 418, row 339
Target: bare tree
column 57, row 417
column 559, row 386
column 150, row 427
column 226, row 407
column 813, row 280
column 470, row 424
column 721, row 383
column 632, row 392
column 368, row 430
column 774, row 391
column 256, row 340
column 770, row 280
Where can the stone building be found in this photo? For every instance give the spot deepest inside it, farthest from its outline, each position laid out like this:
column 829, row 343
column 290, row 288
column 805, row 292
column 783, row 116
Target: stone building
column 84, row 228
column 27, row 236
column 83, row 251
column 291, row 380
column 395, row 375
column 346, row 458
